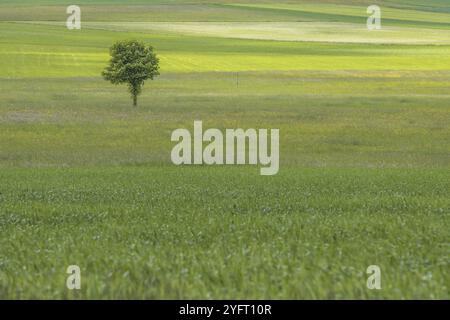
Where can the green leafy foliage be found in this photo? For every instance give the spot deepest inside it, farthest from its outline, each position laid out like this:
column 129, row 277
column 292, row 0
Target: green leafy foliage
column 132, row 62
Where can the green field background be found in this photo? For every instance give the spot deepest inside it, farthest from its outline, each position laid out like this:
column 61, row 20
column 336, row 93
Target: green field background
column 364, row 117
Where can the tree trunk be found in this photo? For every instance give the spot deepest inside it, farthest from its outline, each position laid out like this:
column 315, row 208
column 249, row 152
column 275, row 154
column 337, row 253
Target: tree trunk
column 135, row 100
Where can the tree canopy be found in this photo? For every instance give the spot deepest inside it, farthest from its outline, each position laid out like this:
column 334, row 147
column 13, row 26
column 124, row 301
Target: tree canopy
column 132, row 62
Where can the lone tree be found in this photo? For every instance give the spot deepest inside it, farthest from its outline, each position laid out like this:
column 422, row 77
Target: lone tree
column 132, row 62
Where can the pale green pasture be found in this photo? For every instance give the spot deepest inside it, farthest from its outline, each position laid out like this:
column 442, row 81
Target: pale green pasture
column 356, row 11
column 33, row 50
column 288, row 31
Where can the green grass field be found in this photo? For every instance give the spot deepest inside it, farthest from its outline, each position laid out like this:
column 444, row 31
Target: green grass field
column 364, row 179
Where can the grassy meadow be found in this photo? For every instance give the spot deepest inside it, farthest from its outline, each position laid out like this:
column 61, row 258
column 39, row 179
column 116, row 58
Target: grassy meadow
column 364, row 178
